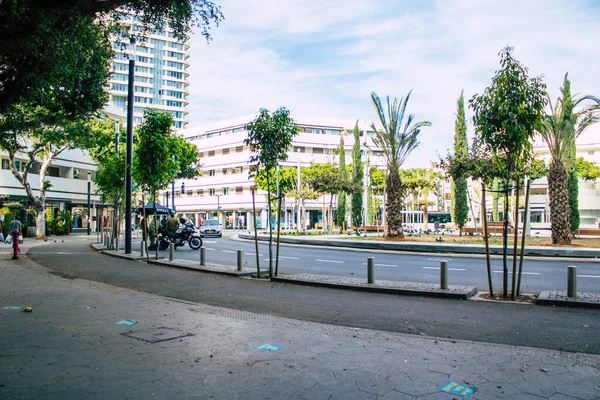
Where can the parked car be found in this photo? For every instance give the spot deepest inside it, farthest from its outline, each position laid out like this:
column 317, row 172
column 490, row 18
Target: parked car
column 211, row 227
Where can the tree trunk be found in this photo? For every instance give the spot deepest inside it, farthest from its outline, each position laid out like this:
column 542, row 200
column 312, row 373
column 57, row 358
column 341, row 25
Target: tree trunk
column 393, row 205
column 559, row 203
column 40, row 222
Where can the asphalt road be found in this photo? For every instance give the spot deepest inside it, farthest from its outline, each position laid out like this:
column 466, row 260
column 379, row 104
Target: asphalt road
column 517, row 324
column 538, row 274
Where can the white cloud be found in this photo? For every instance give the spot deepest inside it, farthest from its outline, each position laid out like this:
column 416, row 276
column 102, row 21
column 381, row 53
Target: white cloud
column 262, row 56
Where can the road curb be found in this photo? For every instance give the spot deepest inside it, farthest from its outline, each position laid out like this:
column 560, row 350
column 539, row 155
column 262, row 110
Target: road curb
column 535, row 251
column 583, row 300
column 113, row 253
column 373, row 288
column 219, row 269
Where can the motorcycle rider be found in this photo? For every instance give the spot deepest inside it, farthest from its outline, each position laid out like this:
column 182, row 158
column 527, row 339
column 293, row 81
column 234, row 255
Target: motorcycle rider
column 172, row 224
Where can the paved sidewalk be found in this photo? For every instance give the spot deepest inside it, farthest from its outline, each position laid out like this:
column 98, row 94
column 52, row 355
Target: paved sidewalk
column 71, row 347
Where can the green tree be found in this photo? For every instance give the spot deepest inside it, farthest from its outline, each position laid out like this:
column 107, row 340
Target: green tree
column 575, row 122
column 587, row 170
column 459, row 206
column 397, row 138
column 377, row 179
column 505, row 118
column 37, row 50
column 160, row 155
column 341, row 208
column 269, row 137
column 358, row 179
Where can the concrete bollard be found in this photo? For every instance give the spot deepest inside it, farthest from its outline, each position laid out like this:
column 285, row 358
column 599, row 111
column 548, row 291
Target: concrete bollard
column 444, row 275
column 370, row 269
column 572, row 281
column 171, row 251
column 240, row 260
column 202, row 255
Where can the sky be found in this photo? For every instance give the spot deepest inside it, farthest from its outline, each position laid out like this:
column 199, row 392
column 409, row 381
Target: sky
column 324, row 58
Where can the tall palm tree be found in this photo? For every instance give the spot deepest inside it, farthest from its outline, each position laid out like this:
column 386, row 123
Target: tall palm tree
column 397, row 139
column 559, row 130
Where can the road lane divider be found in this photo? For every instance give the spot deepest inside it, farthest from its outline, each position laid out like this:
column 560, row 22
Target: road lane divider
column 524, row 273
column 384, row 265
column 449, row 269
column 330, row 261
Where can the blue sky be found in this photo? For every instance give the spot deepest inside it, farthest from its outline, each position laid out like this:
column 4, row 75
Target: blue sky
column 325, row 57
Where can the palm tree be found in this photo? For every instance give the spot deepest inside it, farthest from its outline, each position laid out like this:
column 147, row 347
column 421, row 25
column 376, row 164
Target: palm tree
column 559, row 130
column 397, row 139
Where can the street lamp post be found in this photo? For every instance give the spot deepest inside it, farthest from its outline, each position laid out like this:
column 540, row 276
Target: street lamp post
column 129, row 155
column 89, row 219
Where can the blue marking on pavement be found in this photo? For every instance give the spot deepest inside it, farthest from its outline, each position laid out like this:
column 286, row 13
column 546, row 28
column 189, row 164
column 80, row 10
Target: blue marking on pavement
column 461, row 389
column 13, row 307
column 126, row 322
column 269, row 347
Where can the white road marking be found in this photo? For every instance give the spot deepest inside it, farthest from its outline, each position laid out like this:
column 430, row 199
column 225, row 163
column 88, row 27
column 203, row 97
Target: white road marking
column 210, row 241
column 289, row 258
column 209, row 248
column 524, row 273
column 384, row 265
column 228, row 251
column 449, row 269
column 331, row 261
column 589, row 276
column 253, row 254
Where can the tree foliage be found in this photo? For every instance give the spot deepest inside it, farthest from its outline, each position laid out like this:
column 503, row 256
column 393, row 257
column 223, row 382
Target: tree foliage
column 587, row 170
column 357, row 178
column 397, row 138
column 459, row 206
column 43, row 39
column 341, row 208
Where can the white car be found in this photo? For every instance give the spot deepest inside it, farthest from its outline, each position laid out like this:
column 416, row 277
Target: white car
column 211, row 227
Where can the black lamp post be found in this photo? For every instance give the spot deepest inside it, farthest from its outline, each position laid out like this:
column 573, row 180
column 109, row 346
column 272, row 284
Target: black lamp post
column 89, row 219
column 173, row 193
column 129, row 155
column 167, row 197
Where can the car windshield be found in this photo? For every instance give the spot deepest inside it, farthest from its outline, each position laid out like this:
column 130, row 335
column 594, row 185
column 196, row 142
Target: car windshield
column 210, row 222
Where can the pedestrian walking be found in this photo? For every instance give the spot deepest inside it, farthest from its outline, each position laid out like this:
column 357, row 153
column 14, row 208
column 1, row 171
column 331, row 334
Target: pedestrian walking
column 15, row 230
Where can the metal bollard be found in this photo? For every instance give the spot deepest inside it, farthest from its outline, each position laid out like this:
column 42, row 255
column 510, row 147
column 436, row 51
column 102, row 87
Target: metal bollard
column 105, row 240
column 370, row 269
column 240, row 259
column 171, row 251
column 117, row 243
column 142, row 243
column 444, row 275
column 572, row 281
column 202, row 255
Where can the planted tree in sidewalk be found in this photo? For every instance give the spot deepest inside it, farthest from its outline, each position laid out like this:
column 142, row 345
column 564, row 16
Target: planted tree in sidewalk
column 505, row 117
column 459, row 207
column 587, row 170
column 35, row 131
column 160, row 155
column 358, row 179
column 269, row 137
column 397, row 138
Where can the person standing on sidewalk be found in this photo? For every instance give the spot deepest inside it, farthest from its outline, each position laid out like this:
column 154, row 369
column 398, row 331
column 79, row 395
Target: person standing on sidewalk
column 15, row 230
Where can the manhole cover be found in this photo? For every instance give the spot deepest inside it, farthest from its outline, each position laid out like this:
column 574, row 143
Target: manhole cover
column 156, row 335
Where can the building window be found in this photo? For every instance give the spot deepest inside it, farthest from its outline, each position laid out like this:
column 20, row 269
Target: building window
column 317, row 150
column 225, row 191
column 239, row 190
column 298, row 149
column 5, row 164
column 591, row 152
column 211, row 153
column 239, row 149
column 225, row 151
column 201, row 155
column 53, row 171
column 211, row 172
column 225, row 171
column 200, row 192
column 211, row 192
column 189, row 193
column 177, row 193
column 240, row 129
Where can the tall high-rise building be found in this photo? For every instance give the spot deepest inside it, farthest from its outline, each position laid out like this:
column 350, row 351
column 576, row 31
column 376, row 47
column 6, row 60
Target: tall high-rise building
column 161, row 73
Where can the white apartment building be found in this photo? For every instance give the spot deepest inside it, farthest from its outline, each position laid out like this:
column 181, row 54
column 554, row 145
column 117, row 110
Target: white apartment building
column 224, row 186
column 161, row 73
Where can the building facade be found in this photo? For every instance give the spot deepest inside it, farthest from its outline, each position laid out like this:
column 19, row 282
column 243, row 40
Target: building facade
column 224, row 189
column 161, row 73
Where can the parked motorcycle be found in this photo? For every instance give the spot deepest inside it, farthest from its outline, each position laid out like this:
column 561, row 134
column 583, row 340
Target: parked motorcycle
column 186, row 234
